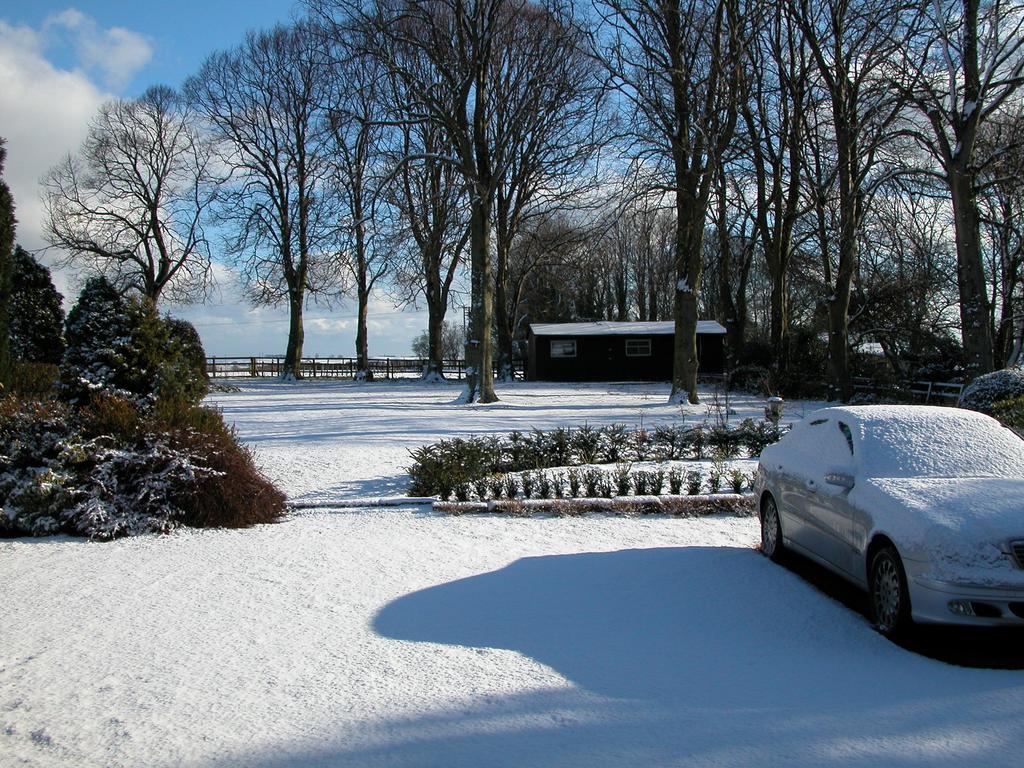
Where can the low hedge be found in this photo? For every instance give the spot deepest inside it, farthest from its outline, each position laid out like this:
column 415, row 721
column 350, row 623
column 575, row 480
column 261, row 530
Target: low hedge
column 442, row 468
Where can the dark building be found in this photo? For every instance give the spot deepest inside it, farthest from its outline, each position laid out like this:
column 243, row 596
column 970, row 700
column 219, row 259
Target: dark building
column 607, row 351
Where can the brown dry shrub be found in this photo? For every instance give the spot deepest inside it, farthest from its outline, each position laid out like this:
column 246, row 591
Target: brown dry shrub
column 111, row 415
column 234, row 494
column 35, row 381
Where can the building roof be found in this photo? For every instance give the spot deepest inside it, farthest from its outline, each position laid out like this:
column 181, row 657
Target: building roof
column 667, row 328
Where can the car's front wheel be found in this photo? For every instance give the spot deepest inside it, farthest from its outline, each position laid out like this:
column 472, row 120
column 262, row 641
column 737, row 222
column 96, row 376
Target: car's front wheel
column 887, row 588
column 771, row 530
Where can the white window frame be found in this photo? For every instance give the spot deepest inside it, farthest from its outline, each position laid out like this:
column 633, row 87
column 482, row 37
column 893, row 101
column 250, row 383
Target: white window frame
column 560, row 349
column 642, row 352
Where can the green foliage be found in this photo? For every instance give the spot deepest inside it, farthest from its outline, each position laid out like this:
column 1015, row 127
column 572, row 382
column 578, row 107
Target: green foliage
column 36, row 314
column 641, row 444
column 510, row 487
column 615, row 441
column 125, row 348
column 620, row 478
column 694, row 482
column 670, row 442
column 545, row 485
column 648, row 483
column 574, row 478
column 751, row 378
column 594, row 481
column 1010, row 413
column 716, row 475
column 437, row 469
column 725, row 442
column 586, row 444
column 675, row 481
column 696, row 442
column 528, row 481
column 98, row 334
column 738, row 480
column 758, row 435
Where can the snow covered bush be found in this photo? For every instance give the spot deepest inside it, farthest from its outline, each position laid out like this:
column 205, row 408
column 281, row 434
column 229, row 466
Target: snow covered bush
column 110, row 470
column 987, row 390
column 98, row 335
column 123, row 347
column 129, row 450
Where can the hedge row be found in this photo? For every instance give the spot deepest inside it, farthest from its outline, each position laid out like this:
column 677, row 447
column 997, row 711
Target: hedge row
column 440, row 468
column 594, row 483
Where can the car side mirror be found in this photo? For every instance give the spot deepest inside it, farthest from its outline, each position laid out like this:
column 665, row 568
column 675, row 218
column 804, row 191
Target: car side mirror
column 842, row 478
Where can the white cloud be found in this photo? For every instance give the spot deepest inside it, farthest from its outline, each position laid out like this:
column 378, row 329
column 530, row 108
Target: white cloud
column 44, row 113
column 45, row 110
column 115, row 53
column 231, row 327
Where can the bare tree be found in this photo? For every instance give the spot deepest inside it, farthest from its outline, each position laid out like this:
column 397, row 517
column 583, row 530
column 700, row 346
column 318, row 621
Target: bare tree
column 129, row 205
column 356, row 118
column 429, row 195
column 966, row 62
column 546, row 124
column 853, row 44
column 734, row 247
column 774, row 118
column 263, row 103
column 905, row 296
column 679, row 65
column 1001, row 211
column 457, row 39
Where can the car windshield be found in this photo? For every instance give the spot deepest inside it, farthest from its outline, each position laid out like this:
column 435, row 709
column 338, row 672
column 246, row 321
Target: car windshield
column 953, row 445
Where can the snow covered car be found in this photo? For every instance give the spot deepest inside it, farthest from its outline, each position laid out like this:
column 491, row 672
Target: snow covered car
column 921, row 506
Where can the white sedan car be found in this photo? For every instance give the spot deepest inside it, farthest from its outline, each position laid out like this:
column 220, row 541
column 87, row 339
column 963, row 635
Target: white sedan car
column 921, row 506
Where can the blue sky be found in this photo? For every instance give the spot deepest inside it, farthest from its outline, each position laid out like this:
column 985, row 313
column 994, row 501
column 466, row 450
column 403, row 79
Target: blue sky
column 60, row 60
column 181, row 33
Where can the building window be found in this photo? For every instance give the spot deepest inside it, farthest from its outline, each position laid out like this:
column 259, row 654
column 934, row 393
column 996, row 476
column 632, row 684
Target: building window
column 563, row 349
column 638, row 347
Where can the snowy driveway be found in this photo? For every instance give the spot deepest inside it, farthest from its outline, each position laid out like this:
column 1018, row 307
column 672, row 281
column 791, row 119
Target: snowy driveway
column 401, row 638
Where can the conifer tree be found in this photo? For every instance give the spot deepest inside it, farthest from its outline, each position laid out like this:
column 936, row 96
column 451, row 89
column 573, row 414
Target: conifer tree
column 7, row 223
column 36, row 315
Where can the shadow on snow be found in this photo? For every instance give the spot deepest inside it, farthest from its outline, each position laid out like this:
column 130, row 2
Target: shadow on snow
column 703, row 655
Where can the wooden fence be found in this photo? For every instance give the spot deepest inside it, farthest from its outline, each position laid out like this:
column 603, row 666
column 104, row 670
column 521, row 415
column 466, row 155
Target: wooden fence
column 928, row 392
column 329, row 367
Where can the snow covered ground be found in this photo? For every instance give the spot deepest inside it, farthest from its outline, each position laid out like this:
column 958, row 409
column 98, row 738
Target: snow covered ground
column 396, row 637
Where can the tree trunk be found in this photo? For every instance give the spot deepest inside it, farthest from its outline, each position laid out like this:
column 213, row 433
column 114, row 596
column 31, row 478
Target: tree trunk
column 479, row 361
column 434, row 368
column 363, row 372
column 502, row 318
column 779, row 313
column 689, row 267
column 838, row 346
column 296, row 335
column 976, row 328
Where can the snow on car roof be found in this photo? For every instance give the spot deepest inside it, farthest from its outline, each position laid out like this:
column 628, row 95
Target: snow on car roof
column 930, row 441
column 666, row 328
